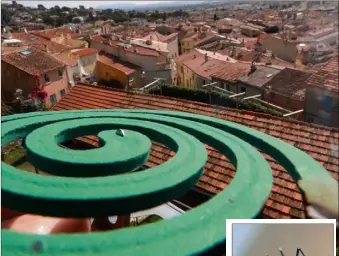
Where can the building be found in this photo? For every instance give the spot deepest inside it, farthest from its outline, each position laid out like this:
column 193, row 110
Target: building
column 287, row 89
column 87, row 60
column 281, row 48
column 252, row 83
column 195, row 68
column 72, row 67
column 62, row 35
column 154, row 64
column 29, row 69
column 285, row 200
column 171, row 42
column 126, row 74
column 321, row 99
column 29, row 39
column 251, row 30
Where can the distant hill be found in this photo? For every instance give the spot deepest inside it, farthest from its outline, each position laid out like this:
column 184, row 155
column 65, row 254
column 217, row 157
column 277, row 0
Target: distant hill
column 149, row 6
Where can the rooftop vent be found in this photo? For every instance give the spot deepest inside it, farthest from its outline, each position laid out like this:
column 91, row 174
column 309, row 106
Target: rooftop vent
column 32, row 38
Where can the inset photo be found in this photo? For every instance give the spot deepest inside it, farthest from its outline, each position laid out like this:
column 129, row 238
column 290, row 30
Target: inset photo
column 280, row 237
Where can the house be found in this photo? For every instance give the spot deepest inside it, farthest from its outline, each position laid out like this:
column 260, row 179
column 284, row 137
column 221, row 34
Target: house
column 321, row 99
column 29, row 39
column 199, row 67
column 31, row 69
column 285, row 200
column 126, row 74
column 87, row 60
column 171, row 42
column 287, row 89
column 250, row 30
column 280, row 47
column 62, row 35
column 227, row 77
column 252, row 83
column 154, row 63
column 72, row 67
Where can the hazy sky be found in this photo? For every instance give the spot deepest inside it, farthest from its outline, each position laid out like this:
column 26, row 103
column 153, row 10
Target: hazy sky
column 87, row 4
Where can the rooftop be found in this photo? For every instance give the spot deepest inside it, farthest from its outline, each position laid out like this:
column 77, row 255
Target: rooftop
column 40, row 42
column 289, row 82
column 261, row 76
column 232, row 72
column 326, row 76
column 285, row 200
column 55, row 32
column 67, row 58
column 86, row 51
column 122, row 66
column 32, row 61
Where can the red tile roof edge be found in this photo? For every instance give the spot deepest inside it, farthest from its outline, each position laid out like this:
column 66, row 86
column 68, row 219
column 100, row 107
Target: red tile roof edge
column 222, row 107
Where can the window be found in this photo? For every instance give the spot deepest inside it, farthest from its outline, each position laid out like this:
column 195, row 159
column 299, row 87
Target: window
column 52, row 98
column 203, row 82
column 106, row 74
column 272, row 94
column 60, row 72
column 47, row 79
column 228, row 88
column 243, row 89
column 62, row 93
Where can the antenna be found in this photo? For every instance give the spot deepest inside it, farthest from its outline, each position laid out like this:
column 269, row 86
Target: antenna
column 25, row 30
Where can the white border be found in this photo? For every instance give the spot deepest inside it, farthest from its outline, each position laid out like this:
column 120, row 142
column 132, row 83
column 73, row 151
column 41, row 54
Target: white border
column 230, row 222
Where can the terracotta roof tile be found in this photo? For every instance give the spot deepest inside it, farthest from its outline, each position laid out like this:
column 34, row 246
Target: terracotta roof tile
column 285, row 200
column 98, row 38
column 326, row 76
column 289, row 82
column 163, row 38
column 125, row 67
column 55, row 32
column 67, row 58
column 232, row 72
column 34, row 62
column 40, row 43
column 86, row 51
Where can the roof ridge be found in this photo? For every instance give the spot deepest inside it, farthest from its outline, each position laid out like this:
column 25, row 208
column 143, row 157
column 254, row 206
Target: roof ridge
column 216, row 106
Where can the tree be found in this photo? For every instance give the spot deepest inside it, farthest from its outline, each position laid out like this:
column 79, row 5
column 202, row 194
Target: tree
column 215, row 17
column 6, row 17
column 164, row 16
column 76, row 20
column 41, row 7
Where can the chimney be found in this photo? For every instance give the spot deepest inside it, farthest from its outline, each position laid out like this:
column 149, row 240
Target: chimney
column 206, row 57
column 253, row 69
column 194, row 56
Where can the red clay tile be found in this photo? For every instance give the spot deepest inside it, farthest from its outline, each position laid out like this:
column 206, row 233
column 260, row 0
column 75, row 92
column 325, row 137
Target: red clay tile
column 285, row 200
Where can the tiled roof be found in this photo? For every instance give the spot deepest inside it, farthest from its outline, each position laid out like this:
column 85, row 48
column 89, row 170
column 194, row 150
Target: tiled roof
column 232, row 72
column 55, row 32
column 195, row 61
column 261, row 76
column 142, row 51
column 285, row 200
column 326, row 76
column 125, row 67
column 67, row 58
column 163, row 38
column 86, row 51
column 98, row 38
column 37, row 62
column 40, row 43
column 289, row 82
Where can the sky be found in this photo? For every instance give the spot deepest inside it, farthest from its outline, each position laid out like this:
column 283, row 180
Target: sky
column 87, row 4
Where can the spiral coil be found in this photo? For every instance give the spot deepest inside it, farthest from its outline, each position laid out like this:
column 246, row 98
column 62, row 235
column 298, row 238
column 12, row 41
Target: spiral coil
column 101, row 182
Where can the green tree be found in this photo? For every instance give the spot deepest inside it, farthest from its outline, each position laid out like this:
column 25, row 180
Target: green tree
column 76, row 20
column 41, row 7
column 215, row 17
column 164, row 16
